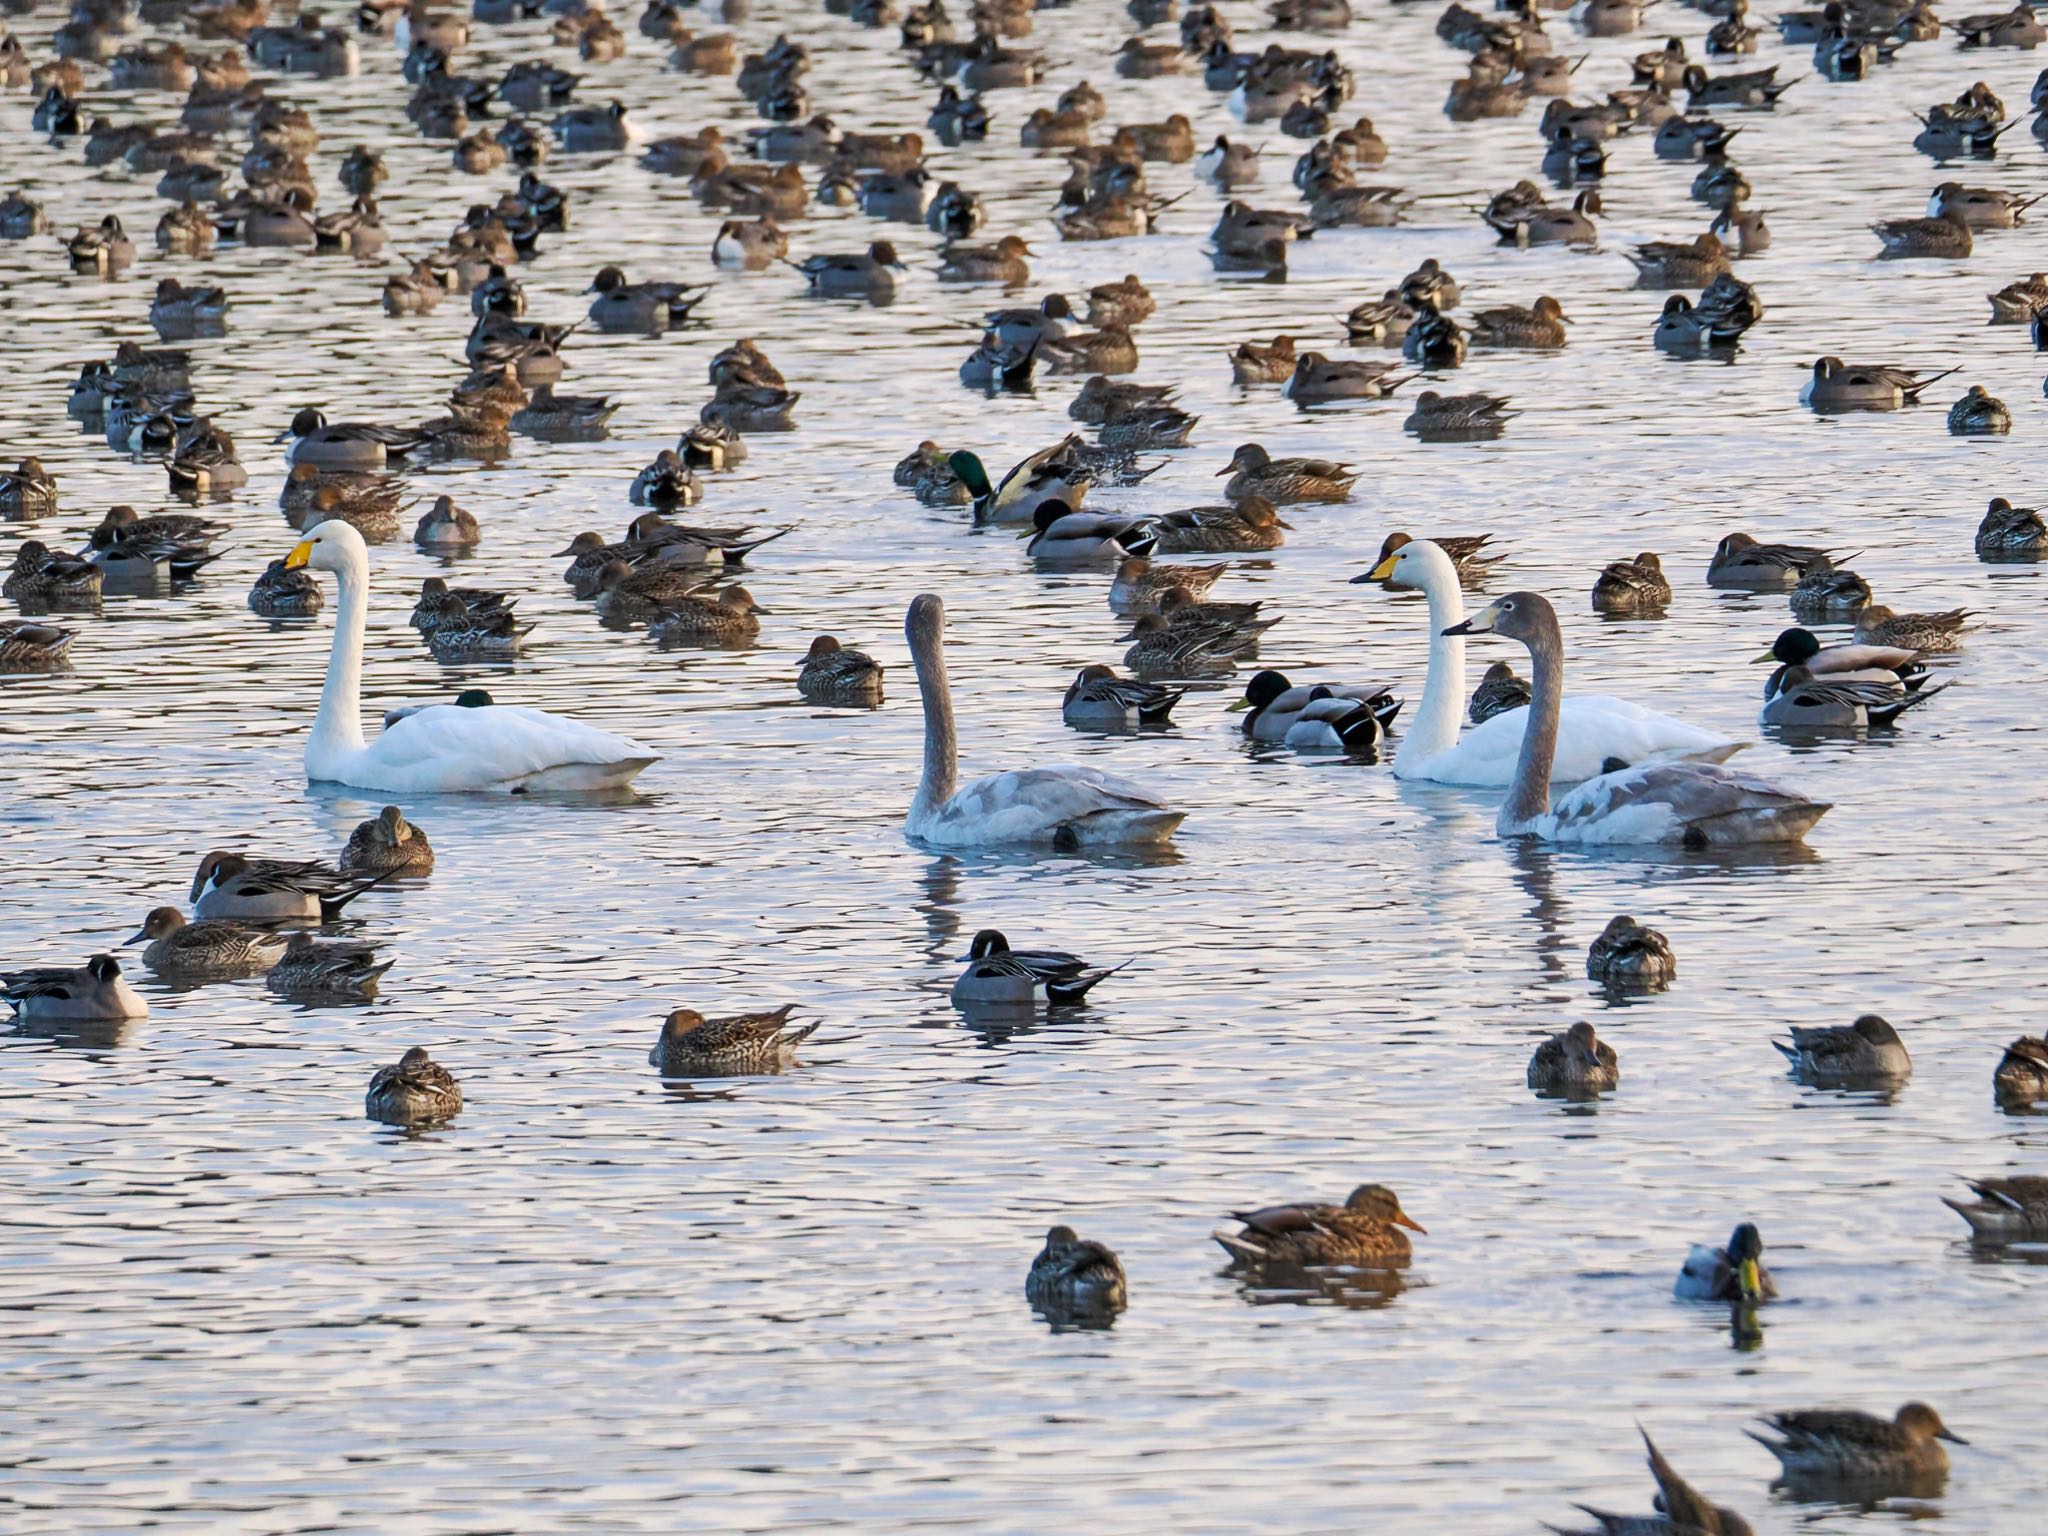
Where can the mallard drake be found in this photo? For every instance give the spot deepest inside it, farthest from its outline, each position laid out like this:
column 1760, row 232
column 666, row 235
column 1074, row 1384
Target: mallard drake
column 1317, row 378
column 1272, row 706
column 284, row 594
column 1499, row 690
column 1574, row 1064
column 1329, row 722
column 211, row 949
column 1073, row 1279
column 1098, row 699
column 730, row 616
column 95, row 990
column 1244, row 528
column 1734, row 1273
column 42, row 576
column 228, row 885
column 30, row 647
column 1628, row 954
column 1927, row 633
column 1364, row 1231
column 1629, row 586
column 417, row 1089
column 2017, row 303
column 27, row 491
column 1047, row 477
column 1979, row 414
column 1829, row 594
column 1867, row 1053
column 833, row 674
column 998, row 974
column 387, row 844
column 1840, row 386
column 1263, row 363
column 1853, row 1446
column 2021, row 1079
column 1063, row 535
column 1285, row 482
column 1541, row 325
column 2007, row 1210
column 1458, row 418
column 1859, row 662
column 740, row 1045
column 2008, row 532
column 1139, row 584
column 1740, row 561
column 1681, row 1509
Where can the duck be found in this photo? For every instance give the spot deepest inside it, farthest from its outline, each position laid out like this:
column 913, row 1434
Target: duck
column 501, row 749
column 1574, row 1064
column 1098, row 699
column 1979, row 414
column 241, row 889
column 751, row 408
column 1681, row 1509
column 1003, row 262
column 1387, row 319
column 27, row 491
column 1458, row 418
column 1867, row 1053
column 1629, row 954
column 639, row 307
column 1331, row 723
column 2008, row 532
column 1366, row 1231
column 417, row 291
column 1063, row 535
column 1227, row 164
column 1840, row 386
column 1273, row 706
column 869, row 274
column 1628, row 586
column 1264, row 362
column 1925, row 633
column 179, row 308
column 1499, row 691
column 103, row 247
column 739, row 1045
column 283, row 594
column 210, row 949
column 1139, row 584
column 95, row 990
column 1980, row 207
column 1829, row 594
column 1946, row 235
column 1746, row 230
column 26, row 646
column 731, row 616
column 1065, row 807
column 667, row 483
column 2018, row 302
column 444, row 525
column 630, row 594
column 1102, row 400
column 313, row 970
column 1542, row 325
column 1752, row 88
column 832, row 673
column 1467, row 554
column 1850, row 1445
column 750, row 244
column 1109, row 350
column 2021, row 1079
column 1870, row 661
column 1167, row 426
column 594, row 130
column 564, row 417
column 387, row 844
column 1074, row 1279
column 1245, row 527
column 1317, row 378
column 1741, row 561
column 1046, row 477
column 40, row 575
column 22, row 217
column 346, row 445
column 1679, row 264
column 416, row 1089
column 1733, row 1273
column 1690, row 804
column 2016, row 28
column 2006, row 1210
column 1285, row 482
column 999, row 975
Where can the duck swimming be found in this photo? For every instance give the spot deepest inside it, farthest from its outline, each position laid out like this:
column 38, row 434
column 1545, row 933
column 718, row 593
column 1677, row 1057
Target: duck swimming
column 1366, row 1231
column 739, row 1045
column 1574, row 1064
column 1846, row 1444
column 416, row 1089
column 1867, row 1053
column 1733, row 1273
column 1073, row 1279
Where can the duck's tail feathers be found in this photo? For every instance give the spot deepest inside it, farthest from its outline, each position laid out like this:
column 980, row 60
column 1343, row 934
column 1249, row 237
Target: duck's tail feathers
column 1791, row 1051
column 1239, row 1249
column 1076, row 988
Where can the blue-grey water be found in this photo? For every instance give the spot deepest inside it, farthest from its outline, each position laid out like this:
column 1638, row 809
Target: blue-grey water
column 598, row 1302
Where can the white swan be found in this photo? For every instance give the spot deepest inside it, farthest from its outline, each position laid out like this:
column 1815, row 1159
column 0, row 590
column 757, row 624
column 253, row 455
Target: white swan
column 1065, row 806
column 1595, row 728
column 440, row 749
column 1688, row 805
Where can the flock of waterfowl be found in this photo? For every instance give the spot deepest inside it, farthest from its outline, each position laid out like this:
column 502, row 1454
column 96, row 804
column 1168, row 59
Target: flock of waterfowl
column 1628, row 776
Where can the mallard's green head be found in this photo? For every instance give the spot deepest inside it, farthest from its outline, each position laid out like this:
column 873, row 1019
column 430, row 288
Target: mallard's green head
column 474, row 698
column 972, row 475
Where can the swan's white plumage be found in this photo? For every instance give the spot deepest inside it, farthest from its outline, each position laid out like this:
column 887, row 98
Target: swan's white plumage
column 1592, row 727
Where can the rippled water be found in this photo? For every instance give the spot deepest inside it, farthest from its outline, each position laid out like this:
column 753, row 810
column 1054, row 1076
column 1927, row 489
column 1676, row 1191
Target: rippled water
column 599, row 1302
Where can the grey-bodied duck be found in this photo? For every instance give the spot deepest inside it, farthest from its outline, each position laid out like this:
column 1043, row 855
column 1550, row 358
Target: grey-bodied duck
column 1098, row 699
column 95, row 990
column 1865, row 1054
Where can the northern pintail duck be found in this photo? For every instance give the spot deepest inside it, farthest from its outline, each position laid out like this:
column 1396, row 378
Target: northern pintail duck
column 751, row 408
column 1746, row 230
column 1434, row 339
column 179, row 310
column 749, row 244
column 1285, row 482
column 927, row 471
column 95, row 990
column 1682, row 1510
column 1629, row 586
column 1628, row 954
column 1243, row 527
column 1098, row 699
column 1075, row 1280
column 998, row 974
column 1927, row 633
column 1829, row 594
column 739, row 1045
column 1574, row 1064
column 1227, row 164
column 1848, row 1445
column 1109, row 350
column 1139, row 584
column 564, row 417
column 417, row 1089
column 2008, row 532
column 594, row 130
column 387, row 843
column 1840, row 386
column 1458, row 418
column 1865, row 1054
column 28, row 490
column 271, row 890
column 1499, row 691
column 1679, row 264
column 1365, row 1231
column 1165, row 426
column 312, row 971
column 1979, row 414
column 1946, row 235
column 1541, row 325
column 1758, row 88
column 1692, row 138
column 26, row 646
column 729, row 617
column 1731, row 35
column 1733, row 1273
column 41, row 576
column 1158, row 650
column 1467, row 551
column 1742, row 562
column 832, row 673
column 22, row 218
column 2021, row 1079
column 444, row 525
column 1004, row 262
column 2017, row 303
column 667, row 483
column 1384, row 320
column 1317, row 378
column 210, row 949
column 1102, row 400
column 346, row 445
column 285, row 594
column 1264, row 362
column 2016, row 28
column 102, row 247
column 2006, row 1210
column 870, row 274
column 416, row 291
column 958, row 119
column 1979, row 207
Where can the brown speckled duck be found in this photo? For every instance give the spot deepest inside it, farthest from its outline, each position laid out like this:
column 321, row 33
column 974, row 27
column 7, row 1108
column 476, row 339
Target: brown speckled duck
column 1364, row 1231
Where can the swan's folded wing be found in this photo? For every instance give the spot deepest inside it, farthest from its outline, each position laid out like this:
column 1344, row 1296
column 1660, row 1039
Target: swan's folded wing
column 446, row 748
column 1592, row 728
column 1033, row 801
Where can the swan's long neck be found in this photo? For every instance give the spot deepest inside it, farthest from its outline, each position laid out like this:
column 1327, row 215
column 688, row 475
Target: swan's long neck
column 1436, row 722
column 941, row 747
column 1528, row 798
column 338, row 728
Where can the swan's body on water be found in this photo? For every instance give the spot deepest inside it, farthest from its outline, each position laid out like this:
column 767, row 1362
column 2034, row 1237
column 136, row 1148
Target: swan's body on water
column 1063, row 806
column 1594, row 729
column 441, row 749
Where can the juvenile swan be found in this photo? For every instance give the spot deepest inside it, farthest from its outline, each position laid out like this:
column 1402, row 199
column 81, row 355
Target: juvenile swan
column 1064, row 806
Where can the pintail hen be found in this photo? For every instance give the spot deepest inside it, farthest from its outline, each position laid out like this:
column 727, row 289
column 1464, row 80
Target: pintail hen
column 1850, row 1446
column 1574, row 1064
column 1925, row 633
column 2007, row 1210
column 1499, row 690
column 1285, row 482
column 95, row 990
column 1458, row 418
column 2021, row 1078
column 2018, row 302
column 2007, row 532
column 1946, row 235
column 1366, row 1231
column 1627, row 954
column 832, row 673
column 1733, row 1273
column 415, row 1090
column 311, row 970
column 1466, row 551
column 1631, row 586
column 1979, row 414
column 26, row 646
column 1075, row 1280
column 1139, row 584
column 28, row 490
column 207, row 950
column 387, row 844
column 1542, row 325
column 1098, row 699
column 724, row 618
column 1681, row 1509
column 1865, row 1054
column 999, row 975
column 1679, row 264
column 738, row 1045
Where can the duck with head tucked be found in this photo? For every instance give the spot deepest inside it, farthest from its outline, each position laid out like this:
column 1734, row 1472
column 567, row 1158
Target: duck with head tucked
column 1865, row 1054
column 2021, row 1079
column 415, row 1090
column 1075, row 1280
column 2007, row 1210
